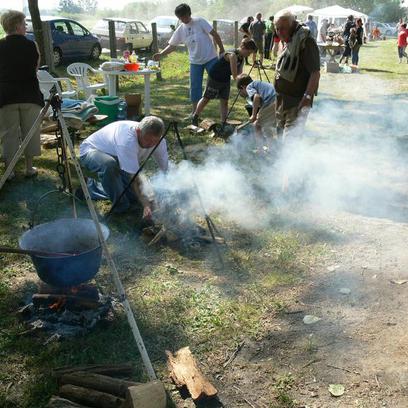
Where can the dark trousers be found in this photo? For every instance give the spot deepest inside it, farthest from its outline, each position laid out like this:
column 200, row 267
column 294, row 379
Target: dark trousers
column 268, row 41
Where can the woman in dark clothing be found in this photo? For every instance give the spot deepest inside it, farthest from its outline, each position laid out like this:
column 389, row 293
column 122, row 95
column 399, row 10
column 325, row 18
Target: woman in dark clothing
column 20, row 96
column 355, row 50
column 219, row 78
column 244, row 29
column 346, row 35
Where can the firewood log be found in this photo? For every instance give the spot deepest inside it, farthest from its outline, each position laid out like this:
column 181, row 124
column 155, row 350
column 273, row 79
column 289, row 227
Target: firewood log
column 90, row 397
column 184, row 372
column 149, row 395
column 71, row 301
column 58, row 402
column 112, row 370
column 97, row 382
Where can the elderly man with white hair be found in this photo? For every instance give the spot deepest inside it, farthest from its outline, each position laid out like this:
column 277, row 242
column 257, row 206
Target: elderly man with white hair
column 115, row 154
column 297, row 75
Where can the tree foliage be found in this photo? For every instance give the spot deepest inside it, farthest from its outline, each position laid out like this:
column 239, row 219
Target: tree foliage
column 77, row 6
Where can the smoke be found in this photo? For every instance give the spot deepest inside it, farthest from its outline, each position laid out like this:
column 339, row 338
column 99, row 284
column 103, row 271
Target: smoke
column 351, row 158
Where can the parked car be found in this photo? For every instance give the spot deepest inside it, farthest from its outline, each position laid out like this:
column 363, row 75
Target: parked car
column 165, row 27
column 225, row 29
column 70, row 39
column 130, row 34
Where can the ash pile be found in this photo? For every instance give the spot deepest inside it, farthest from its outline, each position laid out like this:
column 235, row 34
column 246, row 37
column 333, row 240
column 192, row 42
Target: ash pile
column 61, row 313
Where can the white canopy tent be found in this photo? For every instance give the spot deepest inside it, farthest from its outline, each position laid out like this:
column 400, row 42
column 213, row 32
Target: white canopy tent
column 297, row 10
column 336, row 15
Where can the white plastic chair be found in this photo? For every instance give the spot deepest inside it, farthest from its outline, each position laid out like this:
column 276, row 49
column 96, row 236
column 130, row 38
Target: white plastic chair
column 79, row 71
column 47, row 82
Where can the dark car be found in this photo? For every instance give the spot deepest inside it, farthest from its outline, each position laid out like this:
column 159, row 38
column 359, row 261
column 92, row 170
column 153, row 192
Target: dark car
column 70, row 39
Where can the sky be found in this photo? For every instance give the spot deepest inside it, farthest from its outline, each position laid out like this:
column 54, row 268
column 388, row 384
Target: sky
column 17, row 4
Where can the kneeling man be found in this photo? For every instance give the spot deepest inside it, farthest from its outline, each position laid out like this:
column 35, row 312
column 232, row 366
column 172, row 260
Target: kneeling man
column 115, row 154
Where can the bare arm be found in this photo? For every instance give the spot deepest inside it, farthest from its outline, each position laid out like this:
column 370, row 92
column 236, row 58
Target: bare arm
column 233, row 64
column 256, row 104
column 311, row 89
column 218, row 41
column 169, row 49
column 137, row 188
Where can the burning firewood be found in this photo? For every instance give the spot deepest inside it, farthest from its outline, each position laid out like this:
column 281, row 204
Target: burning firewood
column 184, row 372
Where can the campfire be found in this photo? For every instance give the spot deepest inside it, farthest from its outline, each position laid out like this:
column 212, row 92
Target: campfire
column 174, row 224
column 66, row 312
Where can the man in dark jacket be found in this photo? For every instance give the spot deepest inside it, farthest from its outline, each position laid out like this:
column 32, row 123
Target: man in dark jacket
column 297, row 75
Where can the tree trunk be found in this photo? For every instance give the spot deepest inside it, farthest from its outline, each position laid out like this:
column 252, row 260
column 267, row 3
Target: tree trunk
column 37, row 27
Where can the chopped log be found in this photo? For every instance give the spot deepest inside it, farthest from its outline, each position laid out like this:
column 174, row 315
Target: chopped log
column 184, row 372
column 208, row 124
column 70, row 301
column 89, row 397
column 97, row 382
column 149, row 395
column 58, row 402
column 113, row 370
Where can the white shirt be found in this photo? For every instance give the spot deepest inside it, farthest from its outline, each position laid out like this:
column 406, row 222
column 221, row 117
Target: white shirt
column 196, row 36
column 119, row 139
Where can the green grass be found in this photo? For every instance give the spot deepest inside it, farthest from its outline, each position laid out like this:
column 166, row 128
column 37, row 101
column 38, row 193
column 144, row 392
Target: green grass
column 178, row 300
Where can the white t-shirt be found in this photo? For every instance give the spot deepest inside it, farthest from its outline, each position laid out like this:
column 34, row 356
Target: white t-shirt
column 119, row 140
column 196, row 36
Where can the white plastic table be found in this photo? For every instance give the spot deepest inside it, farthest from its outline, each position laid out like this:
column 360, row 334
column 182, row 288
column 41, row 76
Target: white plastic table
column 111, row 79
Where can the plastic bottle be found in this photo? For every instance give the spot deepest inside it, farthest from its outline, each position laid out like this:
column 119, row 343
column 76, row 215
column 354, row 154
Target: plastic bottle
column 133, row 58
column 122, row 111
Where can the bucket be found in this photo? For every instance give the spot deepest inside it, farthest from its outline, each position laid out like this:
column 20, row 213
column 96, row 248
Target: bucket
column 107, row 105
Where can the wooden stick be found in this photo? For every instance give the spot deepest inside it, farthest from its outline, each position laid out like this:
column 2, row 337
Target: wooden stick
column 97, row 382
column 89, row 397
column 113, row 370
column 58, row 402
column 234, row 354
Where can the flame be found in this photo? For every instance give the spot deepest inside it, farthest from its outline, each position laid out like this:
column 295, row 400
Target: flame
column 59, row 304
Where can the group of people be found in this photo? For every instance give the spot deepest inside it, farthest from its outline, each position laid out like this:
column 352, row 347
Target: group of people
column 116, row 151
column 353, row 36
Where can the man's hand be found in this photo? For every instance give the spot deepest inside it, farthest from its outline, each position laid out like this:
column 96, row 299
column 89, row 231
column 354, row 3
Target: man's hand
column 147, row 212
column 252, row 119
column 305, row 103
column 156, row 57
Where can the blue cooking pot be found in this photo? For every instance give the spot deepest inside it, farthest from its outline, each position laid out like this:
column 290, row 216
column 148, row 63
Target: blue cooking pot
column 75, row 236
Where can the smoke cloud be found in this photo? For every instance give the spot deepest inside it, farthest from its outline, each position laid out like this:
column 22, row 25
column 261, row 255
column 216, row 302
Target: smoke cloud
column 351, row 158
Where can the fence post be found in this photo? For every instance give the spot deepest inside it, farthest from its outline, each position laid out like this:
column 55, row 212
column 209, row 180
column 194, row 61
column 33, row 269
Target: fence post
column 215, row 29
column 48, row 46
column 112, row 39
column 155, row 46
column 236, row 36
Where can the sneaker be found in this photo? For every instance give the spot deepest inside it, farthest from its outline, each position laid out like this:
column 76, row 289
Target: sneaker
column 188, row 118
column 195, row 120
column 31, row 172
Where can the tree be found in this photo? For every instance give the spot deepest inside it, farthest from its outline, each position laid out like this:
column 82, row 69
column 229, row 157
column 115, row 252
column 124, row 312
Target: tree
column 69, row 6
column 88, row 6
column 37, row 27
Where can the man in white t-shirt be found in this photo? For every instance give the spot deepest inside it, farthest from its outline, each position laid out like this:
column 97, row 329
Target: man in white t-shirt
column 195, row 33
column 116, row 152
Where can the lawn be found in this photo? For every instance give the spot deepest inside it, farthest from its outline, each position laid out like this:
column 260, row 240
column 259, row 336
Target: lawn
column 178, row 300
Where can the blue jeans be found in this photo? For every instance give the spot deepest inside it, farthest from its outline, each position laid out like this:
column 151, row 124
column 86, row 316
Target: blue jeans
column 196, row 78
column 354, row 54
column 111, row 179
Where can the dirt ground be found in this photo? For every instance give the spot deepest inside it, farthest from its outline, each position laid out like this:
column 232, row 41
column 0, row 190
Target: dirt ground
column 360, row 341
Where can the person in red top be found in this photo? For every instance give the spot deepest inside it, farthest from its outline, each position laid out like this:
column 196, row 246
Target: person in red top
column 402, row 42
